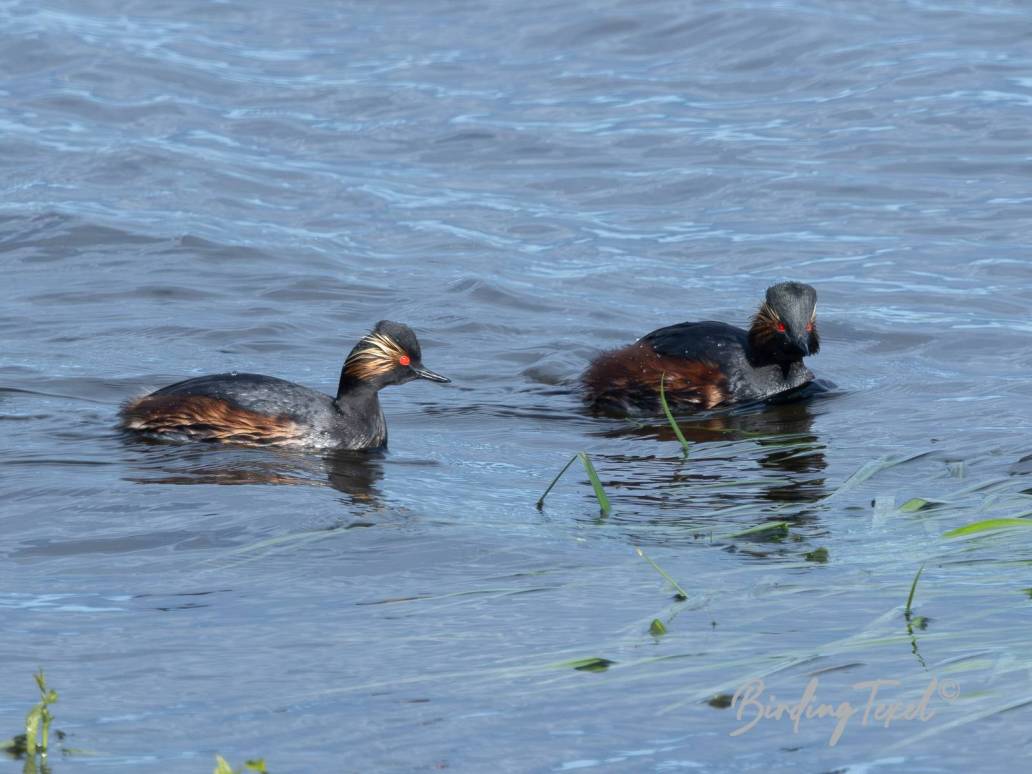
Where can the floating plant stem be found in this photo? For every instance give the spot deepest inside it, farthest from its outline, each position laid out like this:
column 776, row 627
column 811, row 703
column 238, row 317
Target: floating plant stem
column 987, row 525
column 680, row 594
column 913, row 588
column 596, row 484
column 766, row 529
column 222, row 766
column 920, row 621
column 600, row 493
column 670, row 417
column 541, row 500
column 915, row 504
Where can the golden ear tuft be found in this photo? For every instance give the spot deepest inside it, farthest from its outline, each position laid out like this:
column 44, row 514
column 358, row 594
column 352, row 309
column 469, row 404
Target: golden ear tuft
column 376, row 355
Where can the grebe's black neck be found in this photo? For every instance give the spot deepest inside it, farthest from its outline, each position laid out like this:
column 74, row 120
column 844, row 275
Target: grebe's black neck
column 354, row 388
column 360, row 418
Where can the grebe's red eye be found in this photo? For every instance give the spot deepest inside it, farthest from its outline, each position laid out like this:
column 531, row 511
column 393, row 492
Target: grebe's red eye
column 809, row 327
column 404, row 360
column 780, row 327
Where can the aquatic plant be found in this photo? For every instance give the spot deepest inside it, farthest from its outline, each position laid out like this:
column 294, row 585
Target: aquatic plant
column 768, row 529
column 222, row 766
column 913, row 588
column 35, row 742
column 37, row 722
column 600, row 493
column 670, row 417
column 680, row 594
column 819, row 555
column 987, row 525
column 657, row 628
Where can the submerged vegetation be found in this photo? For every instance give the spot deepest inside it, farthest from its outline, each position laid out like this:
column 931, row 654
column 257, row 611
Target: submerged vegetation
column 913, row 588
column 988, row 525
column 37, row 722
column 34, row 744
column 222, row 766
column 670, row 416
column 679, row 593
column 789, row 522
column 596, row 484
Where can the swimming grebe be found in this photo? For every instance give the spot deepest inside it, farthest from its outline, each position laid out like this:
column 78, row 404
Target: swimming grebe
column 257, row 410
column 708, row 364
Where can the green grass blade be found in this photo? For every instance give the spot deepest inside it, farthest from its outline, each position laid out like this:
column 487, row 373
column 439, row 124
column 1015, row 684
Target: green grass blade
column 913, row 588
column 915, row 504
column 771, row 528
column 681, row 593
column 670, row 416
column 600, row 493
column 986, row 526
column 541, row 500
column 596, row 484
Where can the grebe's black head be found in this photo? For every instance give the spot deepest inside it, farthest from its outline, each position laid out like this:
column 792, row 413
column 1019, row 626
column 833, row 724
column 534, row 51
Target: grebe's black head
column 785, row 328
column 389, row 354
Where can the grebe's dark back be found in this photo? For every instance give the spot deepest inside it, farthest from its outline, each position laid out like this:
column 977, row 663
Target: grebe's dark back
column 257, row 410
column 709, row 364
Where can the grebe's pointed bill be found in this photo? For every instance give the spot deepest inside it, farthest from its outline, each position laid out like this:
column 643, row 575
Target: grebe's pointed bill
column 426, row 373
column 802, row 344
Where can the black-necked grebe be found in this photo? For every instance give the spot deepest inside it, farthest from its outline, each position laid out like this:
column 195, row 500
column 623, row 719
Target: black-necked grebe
column 258, row 410
column 708, row 364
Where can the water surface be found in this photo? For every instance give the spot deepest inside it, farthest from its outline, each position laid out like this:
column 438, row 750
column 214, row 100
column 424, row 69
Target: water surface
column 195, row 188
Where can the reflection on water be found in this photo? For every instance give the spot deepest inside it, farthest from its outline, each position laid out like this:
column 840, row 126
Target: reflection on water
column 728, row 447
column 353, row 473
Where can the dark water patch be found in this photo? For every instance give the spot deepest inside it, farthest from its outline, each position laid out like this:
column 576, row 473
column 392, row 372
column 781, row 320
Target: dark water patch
column 183, row 600
column 180, row 541
column 56, row 462
column 152, row 292
column 16, row 392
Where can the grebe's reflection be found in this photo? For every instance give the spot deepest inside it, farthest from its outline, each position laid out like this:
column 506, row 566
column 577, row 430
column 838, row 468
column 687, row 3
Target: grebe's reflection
column 355, row 473
column 778, row 438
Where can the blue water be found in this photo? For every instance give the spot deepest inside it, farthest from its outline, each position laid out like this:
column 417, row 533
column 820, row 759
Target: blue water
column 191, row 188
